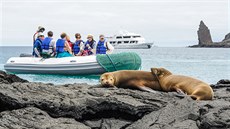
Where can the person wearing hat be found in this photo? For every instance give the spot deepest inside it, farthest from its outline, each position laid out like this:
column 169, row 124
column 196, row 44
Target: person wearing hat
column 40, row 30
column 90, row 45
column 37, row 47
column 103, row 47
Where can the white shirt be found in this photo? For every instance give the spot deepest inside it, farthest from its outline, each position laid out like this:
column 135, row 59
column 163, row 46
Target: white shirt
column 109, row 48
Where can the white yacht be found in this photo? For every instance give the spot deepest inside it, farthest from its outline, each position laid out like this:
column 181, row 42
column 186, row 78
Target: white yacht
column 127, row 40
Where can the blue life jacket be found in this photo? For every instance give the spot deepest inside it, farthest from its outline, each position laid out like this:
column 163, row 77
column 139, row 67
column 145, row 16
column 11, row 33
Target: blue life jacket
column 76, row 47
column 101, row 49
column 91, row 45
column 46, row 43
column 60, row 45
column 37, row 44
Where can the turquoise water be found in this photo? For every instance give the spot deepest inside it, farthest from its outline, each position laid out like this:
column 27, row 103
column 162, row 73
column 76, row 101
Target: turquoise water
column 207, row 64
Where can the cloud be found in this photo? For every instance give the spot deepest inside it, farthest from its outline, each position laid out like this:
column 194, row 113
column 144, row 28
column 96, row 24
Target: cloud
column 168, row 23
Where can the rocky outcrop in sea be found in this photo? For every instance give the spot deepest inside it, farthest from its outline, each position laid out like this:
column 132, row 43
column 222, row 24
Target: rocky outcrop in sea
column 204, row 36
column 205, row 39
column 26, row 104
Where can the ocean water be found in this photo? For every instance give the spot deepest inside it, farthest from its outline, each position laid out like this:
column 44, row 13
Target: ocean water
column 207, row 64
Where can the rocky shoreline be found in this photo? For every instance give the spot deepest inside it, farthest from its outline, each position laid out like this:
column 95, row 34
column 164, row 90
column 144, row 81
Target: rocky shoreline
column 26, row 104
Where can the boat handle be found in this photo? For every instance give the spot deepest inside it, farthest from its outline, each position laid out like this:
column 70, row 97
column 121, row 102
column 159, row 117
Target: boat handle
column 73, row 61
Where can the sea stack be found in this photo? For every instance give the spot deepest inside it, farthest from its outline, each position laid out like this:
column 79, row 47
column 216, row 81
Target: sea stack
column 227, row 38
column 204, row 35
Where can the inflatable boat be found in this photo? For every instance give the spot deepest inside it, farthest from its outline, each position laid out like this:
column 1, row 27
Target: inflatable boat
column 81, row 65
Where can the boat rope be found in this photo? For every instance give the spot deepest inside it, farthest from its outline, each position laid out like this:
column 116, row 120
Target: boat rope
column 111, row 62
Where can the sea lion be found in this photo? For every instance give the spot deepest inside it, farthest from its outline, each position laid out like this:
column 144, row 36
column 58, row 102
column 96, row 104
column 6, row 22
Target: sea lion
column 195, row 88
column 132, row 79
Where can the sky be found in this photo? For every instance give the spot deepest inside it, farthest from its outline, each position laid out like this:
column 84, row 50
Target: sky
column 167, row 23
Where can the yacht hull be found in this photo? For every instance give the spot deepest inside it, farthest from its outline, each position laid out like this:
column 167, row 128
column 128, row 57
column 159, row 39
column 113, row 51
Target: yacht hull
column 133, row 46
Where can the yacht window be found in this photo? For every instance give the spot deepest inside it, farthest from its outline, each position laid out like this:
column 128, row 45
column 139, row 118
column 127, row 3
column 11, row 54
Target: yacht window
column 119, row 37
column 126, row 41
column 118, row 42
column 136, row 36
column 112, row 42
column 126, row 36
column 132, row 41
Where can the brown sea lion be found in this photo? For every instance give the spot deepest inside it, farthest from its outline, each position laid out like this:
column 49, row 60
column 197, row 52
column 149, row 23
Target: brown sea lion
column 132, row 79
column 195, row 88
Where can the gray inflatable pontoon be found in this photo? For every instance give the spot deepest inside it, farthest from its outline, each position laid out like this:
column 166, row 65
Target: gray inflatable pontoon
column 68, row 65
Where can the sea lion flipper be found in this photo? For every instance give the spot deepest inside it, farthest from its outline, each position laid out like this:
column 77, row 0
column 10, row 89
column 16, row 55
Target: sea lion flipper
column 144, row 88
column 179, row 91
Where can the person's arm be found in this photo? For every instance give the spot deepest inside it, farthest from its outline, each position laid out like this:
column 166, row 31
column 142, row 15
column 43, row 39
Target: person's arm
column 34, row 36
column 36, row 51
column 53, row 43
column 94, row 45
column 93, row 49
column 109, row 48
column 81, row 46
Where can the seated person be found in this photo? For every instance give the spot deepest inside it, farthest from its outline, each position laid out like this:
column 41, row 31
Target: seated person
column 90, row 45
column 48, row 46
column 37, row 47
column 69, row 42
column 78, row 46
column 103, row 47
column 62, row 47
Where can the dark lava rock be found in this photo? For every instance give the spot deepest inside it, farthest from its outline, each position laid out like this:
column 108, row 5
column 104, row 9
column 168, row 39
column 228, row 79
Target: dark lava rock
column 38, row 105
column 224, row 81
column 221, row 83
column 204, row 35
column 10, row 78
column 35, row 118
column 226, row 38
column 179, row 114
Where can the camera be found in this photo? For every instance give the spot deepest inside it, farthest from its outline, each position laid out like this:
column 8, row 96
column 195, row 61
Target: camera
column 41, row 29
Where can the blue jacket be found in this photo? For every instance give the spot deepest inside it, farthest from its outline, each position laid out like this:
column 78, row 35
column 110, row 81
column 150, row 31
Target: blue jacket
column 60, row 45
column 91, row 44
column 38, row 46
column 76, row 47
column 101, row 49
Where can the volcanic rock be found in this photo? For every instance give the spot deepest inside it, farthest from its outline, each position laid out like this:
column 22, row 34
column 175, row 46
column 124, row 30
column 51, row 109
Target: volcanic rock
column 32, row 117
column 227, row 38
column 39, row 105
column 204, row 35
column 205, row 40
column 10, row 78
